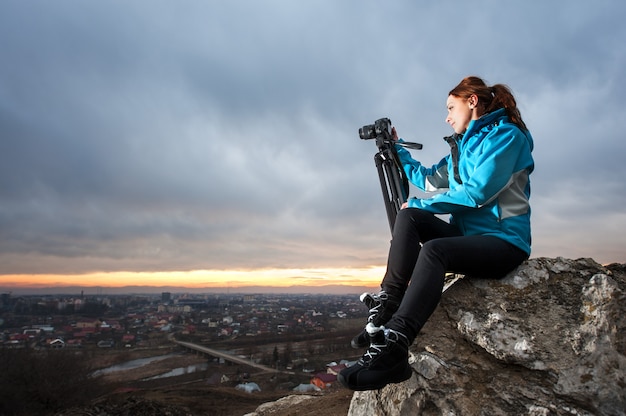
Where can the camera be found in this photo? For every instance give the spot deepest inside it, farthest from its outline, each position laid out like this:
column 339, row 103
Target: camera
column 380, row 129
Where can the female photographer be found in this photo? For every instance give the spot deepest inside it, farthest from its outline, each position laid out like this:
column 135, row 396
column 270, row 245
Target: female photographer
column 484, row 186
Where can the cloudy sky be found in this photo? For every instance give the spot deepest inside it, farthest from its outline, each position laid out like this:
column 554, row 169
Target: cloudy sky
column 148, row 137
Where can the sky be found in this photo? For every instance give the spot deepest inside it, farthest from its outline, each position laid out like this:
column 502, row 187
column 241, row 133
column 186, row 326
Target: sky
column 212, row 143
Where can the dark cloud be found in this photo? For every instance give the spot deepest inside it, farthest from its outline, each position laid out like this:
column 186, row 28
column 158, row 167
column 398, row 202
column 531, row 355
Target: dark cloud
column 145, row 136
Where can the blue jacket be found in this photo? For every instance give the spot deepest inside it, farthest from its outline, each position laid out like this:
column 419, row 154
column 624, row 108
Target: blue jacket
column 490, row 193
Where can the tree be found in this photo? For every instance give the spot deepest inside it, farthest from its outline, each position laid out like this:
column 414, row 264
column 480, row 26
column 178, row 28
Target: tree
column 287, row 351
column 43, row 382
column 275, row 355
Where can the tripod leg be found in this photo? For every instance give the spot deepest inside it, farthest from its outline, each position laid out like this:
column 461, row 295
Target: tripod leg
column 390, row 207
column 392, row 185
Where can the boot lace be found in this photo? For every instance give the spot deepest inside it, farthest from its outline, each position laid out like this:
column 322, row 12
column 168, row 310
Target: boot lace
column 394, row 336
column 377, row 345
column 375, row 302
column 381, row 340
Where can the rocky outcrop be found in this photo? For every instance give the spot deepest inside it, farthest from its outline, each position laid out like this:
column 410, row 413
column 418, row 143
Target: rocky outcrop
column 287, row 402
column 548, row 339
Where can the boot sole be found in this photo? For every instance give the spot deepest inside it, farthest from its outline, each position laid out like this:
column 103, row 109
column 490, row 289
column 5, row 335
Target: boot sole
column 404, row 376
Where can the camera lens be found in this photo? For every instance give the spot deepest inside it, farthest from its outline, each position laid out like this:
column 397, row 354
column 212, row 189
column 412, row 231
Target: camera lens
column 367, row 132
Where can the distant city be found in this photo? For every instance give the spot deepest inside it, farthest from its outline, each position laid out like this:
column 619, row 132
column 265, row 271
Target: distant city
column 106, row 320
column 303, row 338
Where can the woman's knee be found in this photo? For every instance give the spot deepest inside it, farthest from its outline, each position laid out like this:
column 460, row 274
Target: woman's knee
column 413, row 215
column 434, row 248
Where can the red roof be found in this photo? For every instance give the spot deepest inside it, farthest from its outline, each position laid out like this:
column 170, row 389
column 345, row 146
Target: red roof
column 325, row 377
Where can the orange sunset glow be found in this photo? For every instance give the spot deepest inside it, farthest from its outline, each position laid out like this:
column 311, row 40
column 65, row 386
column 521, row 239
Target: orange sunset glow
column 198, row 279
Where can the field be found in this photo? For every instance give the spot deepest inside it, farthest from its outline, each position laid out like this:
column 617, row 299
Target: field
column 212, row 391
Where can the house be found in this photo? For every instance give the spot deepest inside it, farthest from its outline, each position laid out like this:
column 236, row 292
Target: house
column 19, row 337
column 323, row 380
column 306, row 388
column 335, row 369
column 107, row 326
column 74, row 343
column 128, row 339
column 85, row 333
column 56, row 343
column 32, row 332
column 87, row 323
column 248, row 387
column 106, row 343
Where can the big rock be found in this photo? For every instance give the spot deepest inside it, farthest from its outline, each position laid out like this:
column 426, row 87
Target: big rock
column 547, row 339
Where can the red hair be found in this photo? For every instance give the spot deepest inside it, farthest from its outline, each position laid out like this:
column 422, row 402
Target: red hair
column 490, row 98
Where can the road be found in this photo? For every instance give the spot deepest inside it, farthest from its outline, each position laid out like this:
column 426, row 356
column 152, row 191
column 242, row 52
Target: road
column 226, row 356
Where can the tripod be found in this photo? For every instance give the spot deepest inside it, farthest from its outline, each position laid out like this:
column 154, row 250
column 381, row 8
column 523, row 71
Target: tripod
column 393, row 180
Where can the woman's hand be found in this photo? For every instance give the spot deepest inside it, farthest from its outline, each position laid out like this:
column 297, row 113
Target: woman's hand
column 394, row 134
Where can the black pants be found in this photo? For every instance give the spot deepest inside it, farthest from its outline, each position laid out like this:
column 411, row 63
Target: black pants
column 418, row 270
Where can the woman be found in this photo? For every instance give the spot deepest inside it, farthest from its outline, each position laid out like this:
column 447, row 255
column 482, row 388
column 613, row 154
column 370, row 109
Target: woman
column 486, row 186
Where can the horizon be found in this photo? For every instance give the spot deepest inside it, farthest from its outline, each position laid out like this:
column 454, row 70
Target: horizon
column 136, row 290
column 273, row 281
column 345, row 280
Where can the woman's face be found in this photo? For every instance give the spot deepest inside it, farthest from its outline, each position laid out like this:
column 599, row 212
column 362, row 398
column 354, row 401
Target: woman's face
column 460, row 113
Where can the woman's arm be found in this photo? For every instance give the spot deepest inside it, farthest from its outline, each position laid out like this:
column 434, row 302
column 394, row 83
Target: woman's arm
column 494, row 167
column 426, row 179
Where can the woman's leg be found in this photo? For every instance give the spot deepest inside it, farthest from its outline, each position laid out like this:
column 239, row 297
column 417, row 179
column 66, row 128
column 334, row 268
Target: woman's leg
column 412, row 228
column 480, row 256
column 385, row 361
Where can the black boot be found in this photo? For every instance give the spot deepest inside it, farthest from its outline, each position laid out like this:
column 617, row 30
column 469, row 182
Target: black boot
column 381, row 306
column 384, row 362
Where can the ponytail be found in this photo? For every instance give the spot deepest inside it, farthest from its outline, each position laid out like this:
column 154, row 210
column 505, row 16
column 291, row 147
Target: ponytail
column 491, row 98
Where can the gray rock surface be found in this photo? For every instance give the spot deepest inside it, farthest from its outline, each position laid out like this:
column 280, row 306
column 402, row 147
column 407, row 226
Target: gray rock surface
column 548, row 339
column 286, row 402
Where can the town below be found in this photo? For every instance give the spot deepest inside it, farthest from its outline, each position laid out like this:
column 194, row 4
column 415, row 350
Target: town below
column 261, row 346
